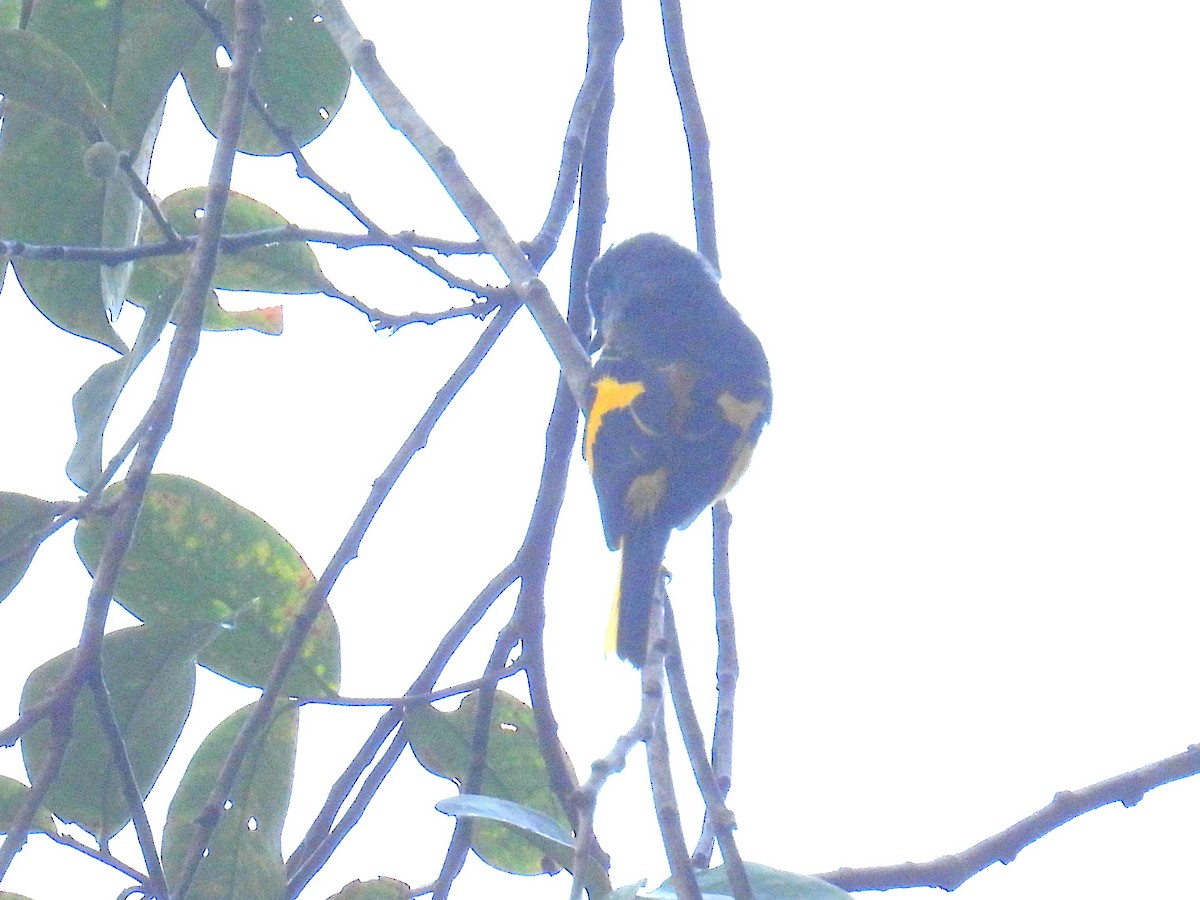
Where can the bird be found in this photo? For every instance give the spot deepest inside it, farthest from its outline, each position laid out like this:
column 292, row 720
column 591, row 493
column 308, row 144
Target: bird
column 677, row 400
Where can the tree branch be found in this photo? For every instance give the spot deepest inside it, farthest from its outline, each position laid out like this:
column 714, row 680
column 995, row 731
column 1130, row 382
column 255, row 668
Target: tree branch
column 950, row 872
column 401, row 115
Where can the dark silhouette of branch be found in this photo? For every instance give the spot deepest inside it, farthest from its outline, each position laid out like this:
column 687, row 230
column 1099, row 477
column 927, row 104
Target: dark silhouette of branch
column 440, row 158
column 602, row 770
column 658, row 761
column 695, row 131
column 156, row 885
column 18, row 826
column 950, row 872
column 102, row 856
column 727, row 675
column 717, row 815
column 460, row 840
column 605, row 33
column 347, row 550
column 125, row 161
column 323, row 836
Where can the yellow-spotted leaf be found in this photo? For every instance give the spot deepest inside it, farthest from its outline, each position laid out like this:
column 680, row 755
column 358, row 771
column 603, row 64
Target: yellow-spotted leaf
column 199, row 556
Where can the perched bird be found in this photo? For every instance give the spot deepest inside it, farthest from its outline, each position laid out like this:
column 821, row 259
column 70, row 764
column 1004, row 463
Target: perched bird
column 679, row 395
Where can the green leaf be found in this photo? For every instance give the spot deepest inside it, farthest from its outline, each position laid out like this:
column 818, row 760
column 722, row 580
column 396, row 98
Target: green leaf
column 94, row 402
column 375, row 889
column 12, row 798
column 46, row 197
column 555, row 841
column 10, row 13
column 9, row 895
column 198, row 556
column 150, row 672
column 244, row 857
column 128, row 54
column 513, row 770
column 300, row 75
column 38, row 75
column 284, row 268
column 21, row 518
column 768, row 884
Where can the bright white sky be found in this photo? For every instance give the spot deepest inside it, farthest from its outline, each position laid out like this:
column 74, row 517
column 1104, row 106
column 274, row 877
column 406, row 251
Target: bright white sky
column 965, row 557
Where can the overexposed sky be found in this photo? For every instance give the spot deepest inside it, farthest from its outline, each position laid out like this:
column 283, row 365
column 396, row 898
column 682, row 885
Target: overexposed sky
column 965, row 556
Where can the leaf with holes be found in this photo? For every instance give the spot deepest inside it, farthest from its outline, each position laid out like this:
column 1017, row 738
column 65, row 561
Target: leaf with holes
column 287, row 267
column 513, row 770
column 244, row 856
column 300, row 75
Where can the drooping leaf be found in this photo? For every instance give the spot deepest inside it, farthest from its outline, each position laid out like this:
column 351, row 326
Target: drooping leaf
column 555, row 841
column 513, row 770
column 198, row 556
column 153, row 289
column 150, row 672
column 21, row 518
column 244, row 857
column 300, row 75
column 12, row 798
column 94, row 402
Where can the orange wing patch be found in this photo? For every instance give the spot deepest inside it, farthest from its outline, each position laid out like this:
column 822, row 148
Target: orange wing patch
column 611, row 395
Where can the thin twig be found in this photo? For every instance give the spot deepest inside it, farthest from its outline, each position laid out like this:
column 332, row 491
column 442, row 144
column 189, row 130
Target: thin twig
column 727, row 674
column 19, row 825
column 324, row 837
column 605, row 32
column 108, row 859
column 347, row 550
column 589, row 791
column 401, row 115
column 563, row 426
column 950, row 872
column 716, row 814
column 694, row 130
column 138, row 186
column 658, row 761
column 130, row 789
column 409, row 700
column 460, row 840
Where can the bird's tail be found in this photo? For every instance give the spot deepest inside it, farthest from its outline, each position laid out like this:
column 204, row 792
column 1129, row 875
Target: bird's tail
column 642, row 554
